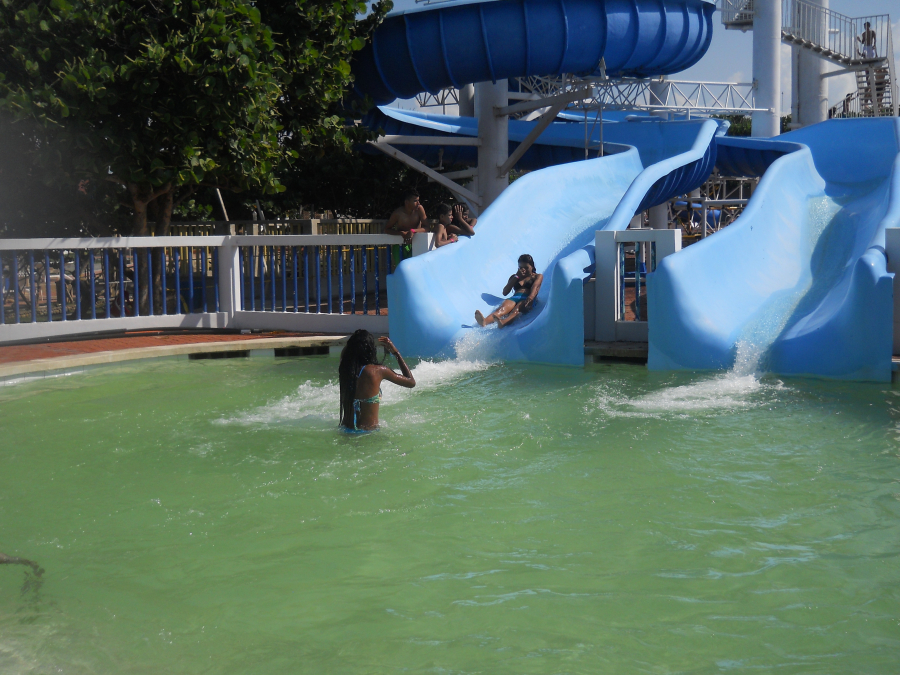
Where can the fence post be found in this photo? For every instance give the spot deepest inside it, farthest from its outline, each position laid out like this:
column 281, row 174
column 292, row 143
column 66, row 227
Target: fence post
column 229, row 280
column 606, row 287
column 422, row 243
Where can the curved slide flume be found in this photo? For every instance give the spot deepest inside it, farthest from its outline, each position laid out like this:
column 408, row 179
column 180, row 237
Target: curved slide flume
column 551, row 214
column 798, row 284
column 436, row 46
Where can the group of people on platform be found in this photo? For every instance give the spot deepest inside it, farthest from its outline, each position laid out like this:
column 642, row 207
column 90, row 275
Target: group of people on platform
column 453, row 222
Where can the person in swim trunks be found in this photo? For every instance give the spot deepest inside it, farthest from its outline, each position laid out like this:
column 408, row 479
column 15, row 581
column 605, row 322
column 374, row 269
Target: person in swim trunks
column 525, row 285
column 406, row 221
column 360, row 374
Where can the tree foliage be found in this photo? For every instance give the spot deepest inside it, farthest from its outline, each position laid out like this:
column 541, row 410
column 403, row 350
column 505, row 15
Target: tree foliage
column 163, row 97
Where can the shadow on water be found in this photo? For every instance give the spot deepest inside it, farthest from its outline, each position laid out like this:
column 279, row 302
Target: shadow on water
column 34, row 575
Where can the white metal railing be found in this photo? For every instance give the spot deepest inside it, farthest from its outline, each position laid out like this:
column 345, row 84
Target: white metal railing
column 736, row 13
column 57, row 287
column 676, row 96
column 847, row 40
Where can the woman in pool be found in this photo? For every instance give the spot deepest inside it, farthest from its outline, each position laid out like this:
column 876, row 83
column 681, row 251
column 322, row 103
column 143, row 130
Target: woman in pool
column 525, row 284
column 361, row 374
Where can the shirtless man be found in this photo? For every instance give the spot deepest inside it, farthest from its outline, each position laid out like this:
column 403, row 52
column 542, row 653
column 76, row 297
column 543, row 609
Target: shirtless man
column 408, row 219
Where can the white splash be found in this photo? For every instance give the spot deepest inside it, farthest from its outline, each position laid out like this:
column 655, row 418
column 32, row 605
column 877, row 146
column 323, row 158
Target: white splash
column 320, row 401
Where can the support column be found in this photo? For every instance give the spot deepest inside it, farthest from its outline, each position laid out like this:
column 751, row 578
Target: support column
column 659, row 95
column 467, row 101
column 811, row 88
column 767, row 67
column 494, row 134
column 659, row 217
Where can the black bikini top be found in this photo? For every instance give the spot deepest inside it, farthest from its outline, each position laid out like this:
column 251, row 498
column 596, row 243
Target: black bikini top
column 525, row 284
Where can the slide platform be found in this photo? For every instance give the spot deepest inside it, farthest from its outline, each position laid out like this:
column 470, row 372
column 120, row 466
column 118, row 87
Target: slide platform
column 798, row 285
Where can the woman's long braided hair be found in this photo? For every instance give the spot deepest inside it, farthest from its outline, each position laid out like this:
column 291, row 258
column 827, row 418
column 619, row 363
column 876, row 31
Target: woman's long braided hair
column 361, row 350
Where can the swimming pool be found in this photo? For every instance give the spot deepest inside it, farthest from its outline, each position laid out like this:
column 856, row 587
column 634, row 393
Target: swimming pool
column 205, row 516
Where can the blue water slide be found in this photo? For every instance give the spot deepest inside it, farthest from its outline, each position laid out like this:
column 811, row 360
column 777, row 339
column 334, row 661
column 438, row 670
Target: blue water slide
column 798, row 284
column 551, row 214
column 560, row 143
column 456, row 44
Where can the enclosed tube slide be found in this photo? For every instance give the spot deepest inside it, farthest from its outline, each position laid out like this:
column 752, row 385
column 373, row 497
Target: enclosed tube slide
column 798, row 284
column 430, row 47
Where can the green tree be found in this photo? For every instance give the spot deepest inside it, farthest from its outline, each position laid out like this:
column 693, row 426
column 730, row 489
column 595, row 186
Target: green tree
column 157, row 97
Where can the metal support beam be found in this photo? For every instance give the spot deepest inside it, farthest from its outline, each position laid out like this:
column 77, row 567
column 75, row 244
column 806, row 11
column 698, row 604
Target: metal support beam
column 431, row 173
column 545, row 120
column 526, row 106
column 430, row 140
column 464, row 173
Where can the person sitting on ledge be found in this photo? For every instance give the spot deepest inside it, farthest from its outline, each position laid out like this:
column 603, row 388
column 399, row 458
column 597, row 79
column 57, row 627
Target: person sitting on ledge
column 525, row 284
column 360, row 374
column 442, row 235
column 407, row 220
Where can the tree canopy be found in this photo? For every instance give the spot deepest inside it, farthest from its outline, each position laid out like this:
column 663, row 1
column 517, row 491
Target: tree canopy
column 163, row 97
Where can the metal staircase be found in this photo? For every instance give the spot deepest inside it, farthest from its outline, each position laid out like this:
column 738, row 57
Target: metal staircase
column 863, row 45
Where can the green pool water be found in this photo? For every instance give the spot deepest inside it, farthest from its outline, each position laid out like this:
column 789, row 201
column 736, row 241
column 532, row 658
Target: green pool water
column 206, row 517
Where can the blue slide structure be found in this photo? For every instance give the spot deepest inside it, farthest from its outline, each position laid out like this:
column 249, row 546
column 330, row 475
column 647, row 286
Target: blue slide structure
column 799, row 283
column 551, row 213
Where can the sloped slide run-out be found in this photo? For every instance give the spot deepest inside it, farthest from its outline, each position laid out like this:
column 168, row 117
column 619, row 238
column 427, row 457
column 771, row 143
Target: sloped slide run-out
column 554, row 212
column 799, row 283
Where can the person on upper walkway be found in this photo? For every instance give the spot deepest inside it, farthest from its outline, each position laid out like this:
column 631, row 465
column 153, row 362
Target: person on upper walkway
column 525, row 284
column 867, row 40
column 360, row 374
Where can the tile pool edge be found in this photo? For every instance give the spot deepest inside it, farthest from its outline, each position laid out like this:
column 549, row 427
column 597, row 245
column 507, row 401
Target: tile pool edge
column 60, row 364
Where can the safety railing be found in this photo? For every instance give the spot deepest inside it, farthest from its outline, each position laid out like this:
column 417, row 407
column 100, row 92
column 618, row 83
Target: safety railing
column 280, row 227
column 46, row 281
column 55, row 287
column 623, row 261
column 333, row 274
column 736, row 13
column 849, row 40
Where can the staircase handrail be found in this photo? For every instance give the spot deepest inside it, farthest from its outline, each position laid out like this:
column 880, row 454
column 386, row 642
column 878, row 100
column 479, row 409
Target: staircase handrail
column 892, row 70
column 836, row 33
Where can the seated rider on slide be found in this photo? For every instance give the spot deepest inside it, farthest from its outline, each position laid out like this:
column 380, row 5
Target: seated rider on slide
column 526, row 284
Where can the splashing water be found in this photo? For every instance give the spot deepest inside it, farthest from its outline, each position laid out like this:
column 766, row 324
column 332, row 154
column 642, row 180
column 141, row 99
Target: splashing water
column 770, row 320
column 316, row 402
column 479, row 345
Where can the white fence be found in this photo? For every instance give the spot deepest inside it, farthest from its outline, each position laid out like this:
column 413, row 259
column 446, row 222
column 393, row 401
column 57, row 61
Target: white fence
column 315, row 283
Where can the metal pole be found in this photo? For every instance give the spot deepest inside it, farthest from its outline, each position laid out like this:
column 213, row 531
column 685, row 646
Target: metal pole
column 767, row 67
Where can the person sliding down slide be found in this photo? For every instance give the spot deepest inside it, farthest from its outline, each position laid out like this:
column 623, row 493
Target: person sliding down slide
column 527, row 284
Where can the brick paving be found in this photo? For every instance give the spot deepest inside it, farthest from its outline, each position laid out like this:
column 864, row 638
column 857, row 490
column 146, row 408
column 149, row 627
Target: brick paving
column 49, row 350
